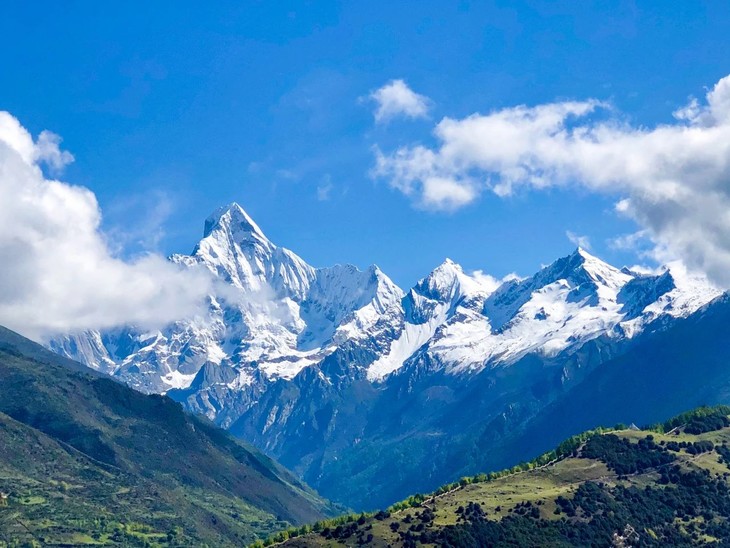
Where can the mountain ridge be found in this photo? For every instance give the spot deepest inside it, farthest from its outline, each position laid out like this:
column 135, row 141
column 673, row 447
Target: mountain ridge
column 316, row 365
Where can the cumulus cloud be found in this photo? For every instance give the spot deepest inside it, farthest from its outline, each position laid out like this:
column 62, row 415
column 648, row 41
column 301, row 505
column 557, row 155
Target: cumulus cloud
column 57, row 273
column 492, row 283
column 396, row 99
column 673, row 179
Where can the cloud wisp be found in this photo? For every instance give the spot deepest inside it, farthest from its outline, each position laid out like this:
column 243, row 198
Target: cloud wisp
column 324, row 189
column 578, row 240
column 396, row 99
column 673, row 179
column 57, row 272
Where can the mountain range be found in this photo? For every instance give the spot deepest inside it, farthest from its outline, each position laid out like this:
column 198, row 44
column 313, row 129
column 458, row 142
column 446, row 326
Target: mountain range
column 347, row 380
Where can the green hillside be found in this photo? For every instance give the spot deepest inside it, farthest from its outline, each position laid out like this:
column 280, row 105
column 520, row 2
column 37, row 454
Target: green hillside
column 86, row 460
column 663, row 486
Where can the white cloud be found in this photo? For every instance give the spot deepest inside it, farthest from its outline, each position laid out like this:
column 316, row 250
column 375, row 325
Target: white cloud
column 396, row 99
column 673, row 179
column 492, row 283
column 57, row 273
column 577, row 240
column 489, row 282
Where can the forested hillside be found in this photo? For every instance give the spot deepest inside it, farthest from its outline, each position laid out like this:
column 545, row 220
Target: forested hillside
column 86, row 460
column 666, row 485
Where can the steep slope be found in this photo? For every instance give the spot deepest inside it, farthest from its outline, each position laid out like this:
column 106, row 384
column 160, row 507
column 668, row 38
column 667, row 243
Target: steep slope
column 340, row 375
column 84, row 455
column 436, row 418
column 666, row 371
column 441, row 428
column 272, row 316
column 667, row 486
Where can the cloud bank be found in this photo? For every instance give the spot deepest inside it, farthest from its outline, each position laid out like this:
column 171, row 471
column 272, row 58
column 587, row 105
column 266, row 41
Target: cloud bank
column 673, row 179
column 57, row 273
column 396, row 99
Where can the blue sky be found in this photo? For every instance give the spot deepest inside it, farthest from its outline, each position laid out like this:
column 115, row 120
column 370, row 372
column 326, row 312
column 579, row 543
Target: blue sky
column 172, row 109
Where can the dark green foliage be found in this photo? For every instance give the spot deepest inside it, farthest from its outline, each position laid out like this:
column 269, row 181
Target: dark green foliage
column 624, row 457
column 381, row 515
column 724, row 452
column 605, row 513
column 702, row 446
column 708, row 423
column 675, row 446
column 697, row 421
column 427, row 515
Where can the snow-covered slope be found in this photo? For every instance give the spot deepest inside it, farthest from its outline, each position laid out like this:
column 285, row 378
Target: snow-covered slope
column 312, row 363
column 465, row 325
column 273, row 315
column 447, row 294
column 569, row 302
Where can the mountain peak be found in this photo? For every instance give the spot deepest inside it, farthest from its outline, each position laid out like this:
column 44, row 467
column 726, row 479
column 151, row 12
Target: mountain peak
column 233, row 219
column 580, row 266
column 582, row 252
column 580, row 256
column 447, row 266
column 448, row 281
column 440, row 282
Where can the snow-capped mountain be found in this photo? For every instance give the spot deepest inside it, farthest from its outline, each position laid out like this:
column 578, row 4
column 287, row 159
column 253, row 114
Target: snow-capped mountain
column 271, row 316
column 312, row 363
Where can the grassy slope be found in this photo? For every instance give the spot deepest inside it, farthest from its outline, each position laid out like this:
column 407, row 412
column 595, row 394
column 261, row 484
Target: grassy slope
column 88, row 460
column 541, row 487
